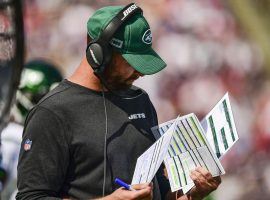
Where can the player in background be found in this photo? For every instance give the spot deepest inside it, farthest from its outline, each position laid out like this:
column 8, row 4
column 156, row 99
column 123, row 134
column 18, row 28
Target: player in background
column 38, row 78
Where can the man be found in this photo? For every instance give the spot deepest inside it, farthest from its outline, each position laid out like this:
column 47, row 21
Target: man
column 92, row 128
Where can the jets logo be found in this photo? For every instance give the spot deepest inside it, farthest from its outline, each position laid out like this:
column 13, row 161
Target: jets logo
column 147, row 37
column 137, row 116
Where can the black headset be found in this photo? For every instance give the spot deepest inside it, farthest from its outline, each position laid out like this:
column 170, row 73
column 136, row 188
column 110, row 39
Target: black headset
column 99, row 54
column 99, row 50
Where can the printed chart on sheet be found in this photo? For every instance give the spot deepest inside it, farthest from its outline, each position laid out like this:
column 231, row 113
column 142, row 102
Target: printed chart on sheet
column 188, row 149
column 219, row 127
column 149, row 162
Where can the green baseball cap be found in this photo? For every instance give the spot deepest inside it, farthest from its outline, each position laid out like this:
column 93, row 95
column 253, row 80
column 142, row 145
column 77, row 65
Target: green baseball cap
column 133, row 39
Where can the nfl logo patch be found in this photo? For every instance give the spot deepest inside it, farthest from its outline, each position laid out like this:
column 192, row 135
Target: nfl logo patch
column 27, row 145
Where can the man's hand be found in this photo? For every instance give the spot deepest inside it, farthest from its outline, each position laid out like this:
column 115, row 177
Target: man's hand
column 141, row 191
column 205, row 183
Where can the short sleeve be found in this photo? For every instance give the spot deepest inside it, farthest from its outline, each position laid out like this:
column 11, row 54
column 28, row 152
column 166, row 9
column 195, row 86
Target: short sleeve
column 44, row 156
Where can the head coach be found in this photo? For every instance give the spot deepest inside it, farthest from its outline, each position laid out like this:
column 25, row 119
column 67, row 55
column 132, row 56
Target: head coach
column 94, row 125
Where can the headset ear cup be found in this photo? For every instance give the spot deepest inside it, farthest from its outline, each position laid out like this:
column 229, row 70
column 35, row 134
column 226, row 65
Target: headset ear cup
column 95, row 55
column 107, row 57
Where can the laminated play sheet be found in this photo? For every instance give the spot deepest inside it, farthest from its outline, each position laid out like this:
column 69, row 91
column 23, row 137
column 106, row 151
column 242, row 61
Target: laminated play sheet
column 188, row 149
column 149, row 162
column 198, row 144
column 219, row 127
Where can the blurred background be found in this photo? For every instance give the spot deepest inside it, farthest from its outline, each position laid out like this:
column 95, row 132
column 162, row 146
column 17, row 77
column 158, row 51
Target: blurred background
column 210, row 46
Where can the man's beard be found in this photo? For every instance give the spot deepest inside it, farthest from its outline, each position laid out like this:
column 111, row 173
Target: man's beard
column 115, row 81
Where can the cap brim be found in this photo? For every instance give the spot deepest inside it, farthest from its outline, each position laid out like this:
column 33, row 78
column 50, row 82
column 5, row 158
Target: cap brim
column 146, row 63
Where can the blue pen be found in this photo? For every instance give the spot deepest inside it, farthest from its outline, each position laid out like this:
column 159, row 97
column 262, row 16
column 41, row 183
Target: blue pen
column 123, row 184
